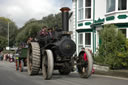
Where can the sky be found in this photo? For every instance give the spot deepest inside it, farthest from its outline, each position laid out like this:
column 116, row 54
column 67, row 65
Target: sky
column 21, row 11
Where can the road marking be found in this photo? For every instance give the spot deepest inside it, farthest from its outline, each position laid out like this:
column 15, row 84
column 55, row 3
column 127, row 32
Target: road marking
column 110, row 77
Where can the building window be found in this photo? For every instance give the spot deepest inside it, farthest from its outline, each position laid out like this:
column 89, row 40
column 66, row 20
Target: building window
column 122, row 4
column 80, row 39
column 87, row 9
column 110, row 5
column 87, row 38
column 80, row 9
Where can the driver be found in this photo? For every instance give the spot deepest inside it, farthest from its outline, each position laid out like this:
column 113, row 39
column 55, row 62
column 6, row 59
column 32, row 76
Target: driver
column 43, row 31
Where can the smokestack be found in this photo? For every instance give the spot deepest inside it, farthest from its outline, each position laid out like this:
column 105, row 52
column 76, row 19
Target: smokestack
column 65, row 18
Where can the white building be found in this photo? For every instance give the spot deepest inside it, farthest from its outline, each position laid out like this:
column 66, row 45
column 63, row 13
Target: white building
column 90, row 15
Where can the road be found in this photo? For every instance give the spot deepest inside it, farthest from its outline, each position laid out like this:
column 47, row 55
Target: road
column 8, row 76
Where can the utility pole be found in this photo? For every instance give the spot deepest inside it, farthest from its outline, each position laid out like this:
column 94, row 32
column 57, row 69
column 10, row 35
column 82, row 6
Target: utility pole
column 8, row 33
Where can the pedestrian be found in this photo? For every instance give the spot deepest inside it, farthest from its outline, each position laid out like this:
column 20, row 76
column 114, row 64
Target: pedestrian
column 4, row 57
column 10, row 60
column 0, row 57
column 1, row 54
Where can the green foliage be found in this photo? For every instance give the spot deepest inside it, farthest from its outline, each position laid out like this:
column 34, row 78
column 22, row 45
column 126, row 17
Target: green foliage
column 3, row 42
column 53, row 20
column 113, row 49
column 33, row 26
column 30, row 29
column 4, row 22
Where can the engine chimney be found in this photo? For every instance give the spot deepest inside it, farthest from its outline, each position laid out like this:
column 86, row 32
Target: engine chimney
column 65, row 18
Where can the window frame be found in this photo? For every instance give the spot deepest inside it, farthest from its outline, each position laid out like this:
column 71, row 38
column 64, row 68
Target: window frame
column 121, row 9
column 79, row 40
column 80, row 9
column 90, row 39
column 112, row 7
column 80, row 45
column 84, row 10
column 88, row 7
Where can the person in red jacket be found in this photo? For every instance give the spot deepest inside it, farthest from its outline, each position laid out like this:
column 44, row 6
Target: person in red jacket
column 86, row 59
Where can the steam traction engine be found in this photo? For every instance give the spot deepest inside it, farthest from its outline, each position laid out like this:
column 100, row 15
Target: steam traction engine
column 57, row 54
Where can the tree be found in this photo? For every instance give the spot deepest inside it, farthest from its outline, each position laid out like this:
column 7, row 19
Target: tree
column 4, row 29
column 112, row 50
column 33, row 26
column 31, row 29
column 3, row 42
column 52, row 20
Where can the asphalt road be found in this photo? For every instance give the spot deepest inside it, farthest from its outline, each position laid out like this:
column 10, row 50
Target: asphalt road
column 8, row 76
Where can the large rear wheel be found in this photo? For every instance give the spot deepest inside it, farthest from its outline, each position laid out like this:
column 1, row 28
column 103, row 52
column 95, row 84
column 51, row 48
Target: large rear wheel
column 33, row 58
column 47, row 65
column 85, row 67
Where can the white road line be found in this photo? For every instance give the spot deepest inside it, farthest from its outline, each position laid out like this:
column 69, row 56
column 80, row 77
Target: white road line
column 121, row 78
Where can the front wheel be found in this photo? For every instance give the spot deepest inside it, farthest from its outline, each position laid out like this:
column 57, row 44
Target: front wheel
column 47, row 65
column 85, row 67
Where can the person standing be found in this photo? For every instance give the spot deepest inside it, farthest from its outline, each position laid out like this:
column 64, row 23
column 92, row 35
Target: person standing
column 0, row 56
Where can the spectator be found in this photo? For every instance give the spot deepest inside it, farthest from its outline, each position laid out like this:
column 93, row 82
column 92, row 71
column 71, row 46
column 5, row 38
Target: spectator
column 11, row 57
column 4, row 57
column 0, row 56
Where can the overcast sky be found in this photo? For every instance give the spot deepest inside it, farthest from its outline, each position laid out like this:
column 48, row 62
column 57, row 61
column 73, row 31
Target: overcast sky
column 21, row 11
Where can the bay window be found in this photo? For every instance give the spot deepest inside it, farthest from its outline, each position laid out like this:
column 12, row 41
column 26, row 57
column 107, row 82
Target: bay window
column 111, row 5
column 87, row 9
column 87, row 38
column 80, row 9
column 122, row 4
column 80, row 39
column 84, row 9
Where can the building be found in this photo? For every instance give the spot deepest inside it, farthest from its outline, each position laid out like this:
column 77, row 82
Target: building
column 90, row 15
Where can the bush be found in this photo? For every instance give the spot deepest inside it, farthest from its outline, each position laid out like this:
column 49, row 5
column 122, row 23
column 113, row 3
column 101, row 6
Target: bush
column 113, row 50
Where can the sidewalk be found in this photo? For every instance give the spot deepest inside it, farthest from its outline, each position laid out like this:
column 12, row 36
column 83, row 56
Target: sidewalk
column 117, row 73
column 104, row 70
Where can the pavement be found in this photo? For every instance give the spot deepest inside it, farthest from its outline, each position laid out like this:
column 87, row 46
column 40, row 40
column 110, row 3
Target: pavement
column 104, row 70
column 9, row 76
column 116, row 73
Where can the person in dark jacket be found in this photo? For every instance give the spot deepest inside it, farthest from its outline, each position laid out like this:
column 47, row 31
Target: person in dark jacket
column 50, row 32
